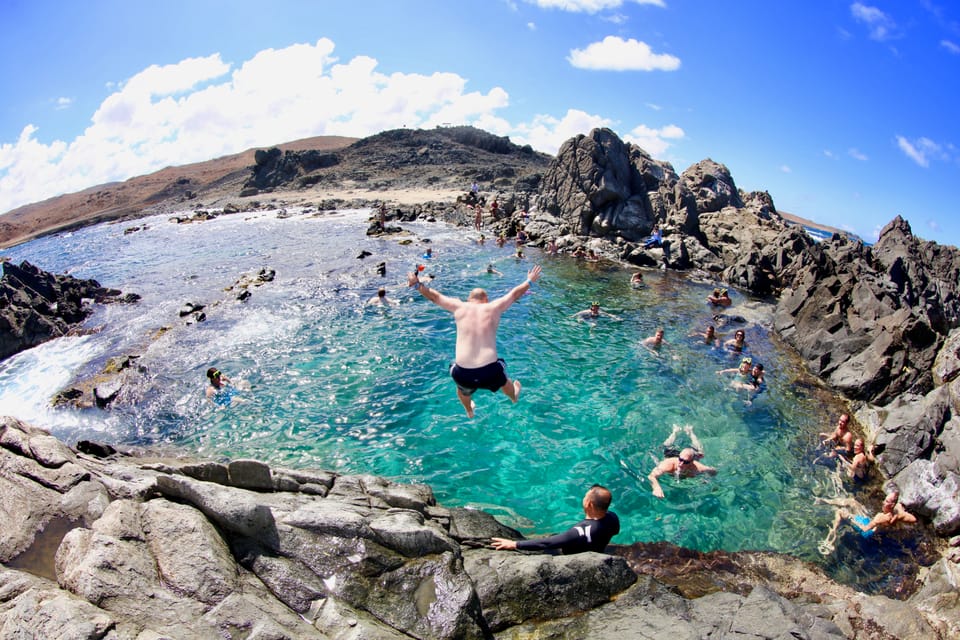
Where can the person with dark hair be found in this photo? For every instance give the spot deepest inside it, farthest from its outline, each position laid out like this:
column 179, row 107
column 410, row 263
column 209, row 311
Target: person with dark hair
column 381, row 299
column 476, row 364
column 593, row 533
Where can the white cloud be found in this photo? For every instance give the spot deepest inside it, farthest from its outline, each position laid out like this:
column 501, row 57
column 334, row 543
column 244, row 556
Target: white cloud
column 786, row 169
column 590, row 6
column 952, row 47
column 546, row 133
column 933, row 225
column 203, row 108
column 655, row 107
column 63, row 103
column 532, row 26
column 920, row 150
column 881, row 26
column 828, row 153
column 654, row 141
column 616, row 54
column 856, row 154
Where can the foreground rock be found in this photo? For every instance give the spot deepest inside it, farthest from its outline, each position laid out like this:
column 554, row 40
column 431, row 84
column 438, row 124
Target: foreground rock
column 159, row 548
column 36, row 306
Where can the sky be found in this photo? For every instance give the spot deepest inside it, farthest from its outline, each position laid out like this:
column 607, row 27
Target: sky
column 843, row 111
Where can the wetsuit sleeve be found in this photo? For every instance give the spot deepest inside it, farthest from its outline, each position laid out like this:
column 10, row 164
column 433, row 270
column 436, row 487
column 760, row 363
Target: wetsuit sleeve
column 553, row 542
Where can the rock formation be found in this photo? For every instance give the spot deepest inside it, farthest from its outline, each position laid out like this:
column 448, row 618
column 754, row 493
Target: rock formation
column 36, row 306
column 151, row 547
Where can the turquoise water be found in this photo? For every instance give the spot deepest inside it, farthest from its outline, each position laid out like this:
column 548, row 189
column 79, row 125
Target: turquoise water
column 336, row 385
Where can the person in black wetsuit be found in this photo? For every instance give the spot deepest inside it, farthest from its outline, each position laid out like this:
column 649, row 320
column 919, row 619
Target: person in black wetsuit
column 590, row 534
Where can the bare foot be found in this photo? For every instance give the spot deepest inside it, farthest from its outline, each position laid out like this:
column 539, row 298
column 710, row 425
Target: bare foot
column 473, row 405
column 516, row 390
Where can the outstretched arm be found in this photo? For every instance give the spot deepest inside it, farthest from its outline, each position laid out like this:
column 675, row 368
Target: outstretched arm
column 656, row 473
column 514, row 294
column 434, row 296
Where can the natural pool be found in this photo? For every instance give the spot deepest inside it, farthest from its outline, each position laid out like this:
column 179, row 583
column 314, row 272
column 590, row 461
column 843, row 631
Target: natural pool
column 337, row 385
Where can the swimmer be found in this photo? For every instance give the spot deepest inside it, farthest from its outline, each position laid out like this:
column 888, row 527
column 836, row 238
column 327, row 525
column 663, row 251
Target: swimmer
column 684, row 465
column 738, row 343
column 720, row 297
column 593, row 313
column 476, row 363
column 654, row 342
column 746, row 364
column 493, row 271
column 636, row 280
column 381, row 299
column 221, row 390
column 840, row 437
column 858, row 468
column 709, row 336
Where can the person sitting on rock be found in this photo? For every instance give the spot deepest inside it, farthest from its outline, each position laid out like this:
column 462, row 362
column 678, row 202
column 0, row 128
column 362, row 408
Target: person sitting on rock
column 593, row 533
column 892, row 514
column 655, row 239
column 858, row 468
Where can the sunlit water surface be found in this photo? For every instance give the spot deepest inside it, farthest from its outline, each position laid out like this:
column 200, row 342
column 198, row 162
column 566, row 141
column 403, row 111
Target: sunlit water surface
column 337, row 385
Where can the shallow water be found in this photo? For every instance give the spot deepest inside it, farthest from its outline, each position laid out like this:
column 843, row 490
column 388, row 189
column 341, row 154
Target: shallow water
column 337, row 385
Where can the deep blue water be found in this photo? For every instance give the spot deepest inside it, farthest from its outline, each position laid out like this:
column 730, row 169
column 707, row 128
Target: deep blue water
column 337, row 385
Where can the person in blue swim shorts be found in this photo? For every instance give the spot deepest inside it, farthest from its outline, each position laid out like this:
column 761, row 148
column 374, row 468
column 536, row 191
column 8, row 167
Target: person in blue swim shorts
column 892, row 514
column 221, row 390
column 476, row 364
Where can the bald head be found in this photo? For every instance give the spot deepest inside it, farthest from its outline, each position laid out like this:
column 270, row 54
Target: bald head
column 477, row 295
column 597, row 501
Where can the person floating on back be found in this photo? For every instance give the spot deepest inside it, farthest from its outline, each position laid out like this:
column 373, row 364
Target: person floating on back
column 476, row 364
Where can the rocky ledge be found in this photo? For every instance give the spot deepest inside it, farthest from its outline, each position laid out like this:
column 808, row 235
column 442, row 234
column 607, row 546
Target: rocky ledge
column 103, row 544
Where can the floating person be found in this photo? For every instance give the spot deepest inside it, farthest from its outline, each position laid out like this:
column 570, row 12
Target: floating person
column 493, row 271
column 892, row 514
column 476, row 363
column 742, row 371
column 221, row 390
column 636, row 280
column 593, row 533
column 720, row 297
column 428, row 254
column 593, row 313
column 753, row 381
column 685, row 464
column 709, row 336
column 381, row 299
column 654, row 342
column 738, row 342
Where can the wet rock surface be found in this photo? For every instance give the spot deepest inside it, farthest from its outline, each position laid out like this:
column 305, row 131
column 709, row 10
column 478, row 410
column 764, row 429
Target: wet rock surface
column 175, row 547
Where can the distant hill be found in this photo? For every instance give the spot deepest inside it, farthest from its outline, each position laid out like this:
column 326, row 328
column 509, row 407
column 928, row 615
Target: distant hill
column 118, row 199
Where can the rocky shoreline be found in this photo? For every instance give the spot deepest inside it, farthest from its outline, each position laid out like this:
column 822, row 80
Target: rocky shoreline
column 878, row 324
column 150, row 546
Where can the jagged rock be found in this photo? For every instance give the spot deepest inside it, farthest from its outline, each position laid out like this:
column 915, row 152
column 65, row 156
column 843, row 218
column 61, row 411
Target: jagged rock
column 36, row 306
column 929, row 490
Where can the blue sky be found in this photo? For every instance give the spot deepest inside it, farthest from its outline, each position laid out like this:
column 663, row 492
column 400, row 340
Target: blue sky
column 844, row 111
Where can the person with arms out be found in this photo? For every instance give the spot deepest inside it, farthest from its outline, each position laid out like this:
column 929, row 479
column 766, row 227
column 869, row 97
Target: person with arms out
column 593, row 533
column 492, row 271
column 593, row 313
column 684, row 465
column 476, row 364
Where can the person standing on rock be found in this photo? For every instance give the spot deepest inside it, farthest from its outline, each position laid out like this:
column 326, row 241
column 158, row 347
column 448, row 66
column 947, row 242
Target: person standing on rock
column 476, row 364
column 593, row 533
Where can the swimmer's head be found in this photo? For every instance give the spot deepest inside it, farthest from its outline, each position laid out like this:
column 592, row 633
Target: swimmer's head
column 212, row 373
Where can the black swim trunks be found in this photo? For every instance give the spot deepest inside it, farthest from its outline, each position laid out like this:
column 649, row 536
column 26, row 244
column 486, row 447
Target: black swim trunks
column 490, row 376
